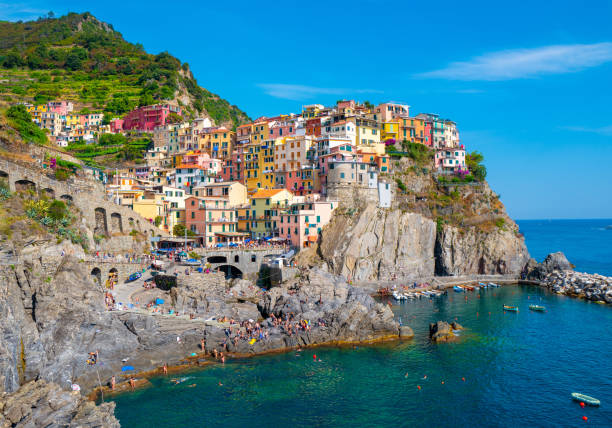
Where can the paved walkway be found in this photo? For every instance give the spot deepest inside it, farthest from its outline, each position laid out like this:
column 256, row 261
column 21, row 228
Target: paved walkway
column 124, row 291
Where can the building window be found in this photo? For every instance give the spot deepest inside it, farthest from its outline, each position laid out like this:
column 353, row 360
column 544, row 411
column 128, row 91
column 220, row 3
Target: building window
column 192, row 214
column 253, row 258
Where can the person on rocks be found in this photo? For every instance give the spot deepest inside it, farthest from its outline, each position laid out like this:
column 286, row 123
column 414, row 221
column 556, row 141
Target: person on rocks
column 133, row 383
column 165, row 369
column 202, row 345
column 113, row 383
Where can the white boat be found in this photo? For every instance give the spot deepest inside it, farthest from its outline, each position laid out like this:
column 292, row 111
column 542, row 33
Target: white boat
column 492, row 284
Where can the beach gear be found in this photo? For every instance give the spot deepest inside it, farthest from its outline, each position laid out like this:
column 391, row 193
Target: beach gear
column 576, row 396
column 252, row 341
column 127, row 368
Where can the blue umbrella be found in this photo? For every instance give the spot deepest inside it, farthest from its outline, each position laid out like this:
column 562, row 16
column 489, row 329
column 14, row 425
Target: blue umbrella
column 159, row 301
column 247, row 240
column 127, row 368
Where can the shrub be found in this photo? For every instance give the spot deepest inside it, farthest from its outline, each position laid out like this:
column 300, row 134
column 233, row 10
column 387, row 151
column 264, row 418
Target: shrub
column 158, row 221
column 61, row 174
column 401, row 185
column 57, row 210
column 500, row 222
column 19, row 118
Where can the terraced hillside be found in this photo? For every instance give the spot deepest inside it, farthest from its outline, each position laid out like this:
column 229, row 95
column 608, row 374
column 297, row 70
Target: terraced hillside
column 79, row 58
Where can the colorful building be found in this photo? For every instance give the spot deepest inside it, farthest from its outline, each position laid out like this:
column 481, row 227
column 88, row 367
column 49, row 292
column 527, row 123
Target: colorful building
column 148, row 118
column 302, row 223
column 217, row 142
column 264, row 211
column 213, row 221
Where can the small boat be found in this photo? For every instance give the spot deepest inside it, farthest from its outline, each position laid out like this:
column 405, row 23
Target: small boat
column 511, row 308
column 458, row 289
column 468, row 287
column 585, row 399
column 537, row 308
column 492, row 284
column 482, row 284
column 134, row 276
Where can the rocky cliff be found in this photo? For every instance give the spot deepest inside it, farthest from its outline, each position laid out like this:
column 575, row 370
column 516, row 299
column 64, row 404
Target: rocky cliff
column 430, row 230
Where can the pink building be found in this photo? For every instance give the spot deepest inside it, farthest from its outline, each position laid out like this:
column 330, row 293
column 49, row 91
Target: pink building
column 233, row 169
column 60, row 107
column 116, row 125
column 149, row 117
column 303, row 222
column 451, row 160
column 388, row 111
column 198, row 158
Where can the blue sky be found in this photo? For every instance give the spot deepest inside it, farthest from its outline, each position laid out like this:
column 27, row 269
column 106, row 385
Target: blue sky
column 528, row 84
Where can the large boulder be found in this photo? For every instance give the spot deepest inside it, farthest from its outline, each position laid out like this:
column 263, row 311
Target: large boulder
column 42, row 404
column 441, row 331
column 554, row 262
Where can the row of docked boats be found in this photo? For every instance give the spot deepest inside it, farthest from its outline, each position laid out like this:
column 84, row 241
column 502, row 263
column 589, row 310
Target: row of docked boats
column 464, row 288
column 411, row 295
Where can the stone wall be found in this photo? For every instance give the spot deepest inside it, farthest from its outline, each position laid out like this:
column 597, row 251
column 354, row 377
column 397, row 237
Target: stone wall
column 98, row 214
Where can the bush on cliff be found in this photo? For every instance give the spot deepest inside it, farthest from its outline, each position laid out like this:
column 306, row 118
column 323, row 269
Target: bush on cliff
column 474, row 163
column 19, row 119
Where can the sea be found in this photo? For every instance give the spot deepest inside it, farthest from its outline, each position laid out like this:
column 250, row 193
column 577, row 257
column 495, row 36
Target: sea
column 506, row 369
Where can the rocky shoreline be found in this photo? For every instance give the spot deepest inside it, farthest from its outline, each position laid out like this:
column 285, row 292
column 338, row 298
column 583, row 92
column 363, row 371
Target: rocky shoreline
column 557, row 274
column 594, row 287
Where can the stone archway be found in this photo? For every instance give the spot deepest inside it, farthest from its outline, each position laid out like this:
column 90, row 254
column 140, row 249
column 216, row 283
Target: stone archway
column 48, row 192
column 116, row 224
column 66, row 198
column 101, row 226
column 25, row 185
column 230, row 271
column 96, row 275
column 131, row 223
column 217, row 259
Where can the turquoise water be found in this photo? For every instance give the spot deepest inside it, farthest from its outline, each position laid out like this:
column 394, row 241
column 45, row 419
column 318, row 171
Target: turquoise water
column 586, row 243
column 519, row 370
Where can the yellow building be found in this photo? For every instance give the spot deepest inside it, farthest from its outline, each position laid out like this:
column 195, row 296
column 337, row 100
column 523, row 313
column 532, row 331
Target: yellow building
column 217, row 142
column 151, row 207
column 265, row 209
column 367, row 131
column 266, row 165
column 251, row 167
column 261, row 132
column 73, row 120
column 390, row 130
column 37, row 111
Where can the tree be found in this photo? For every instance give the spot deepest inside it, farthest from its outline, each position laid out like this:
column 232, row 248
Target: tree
column 474, row 163
column 179, row 230
column 158, row 221
column 74, row 60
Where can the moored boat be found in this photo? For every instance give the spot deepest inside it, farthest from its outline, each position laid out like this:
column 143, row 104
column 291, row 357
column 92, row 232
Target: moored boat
column 537, row 308
column 585, row 399
column 492, row 284
column 458, row 289
column 511, row 308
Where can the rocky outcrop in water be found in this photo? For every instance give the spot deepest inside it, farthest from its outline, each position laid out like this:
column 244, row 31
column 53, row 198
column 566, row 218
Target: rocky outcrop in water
column 553, row 262
column 43, row 404
column 442, row 331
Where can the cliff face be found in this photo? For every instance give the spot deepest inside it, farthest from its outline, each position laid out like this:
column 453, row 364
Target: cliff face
column 382, row 244
column 378, row 243
column 459, row 252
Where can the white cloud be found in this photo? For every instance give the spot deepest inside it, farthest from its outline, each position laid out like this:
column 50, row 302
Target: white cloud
column 603, row 130
column 303, row 92
column 524, row 63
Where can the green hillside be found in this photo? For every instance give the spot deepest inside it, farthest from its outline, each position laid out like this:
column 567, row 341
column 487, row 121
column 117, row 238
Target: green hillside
column 79, row 58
